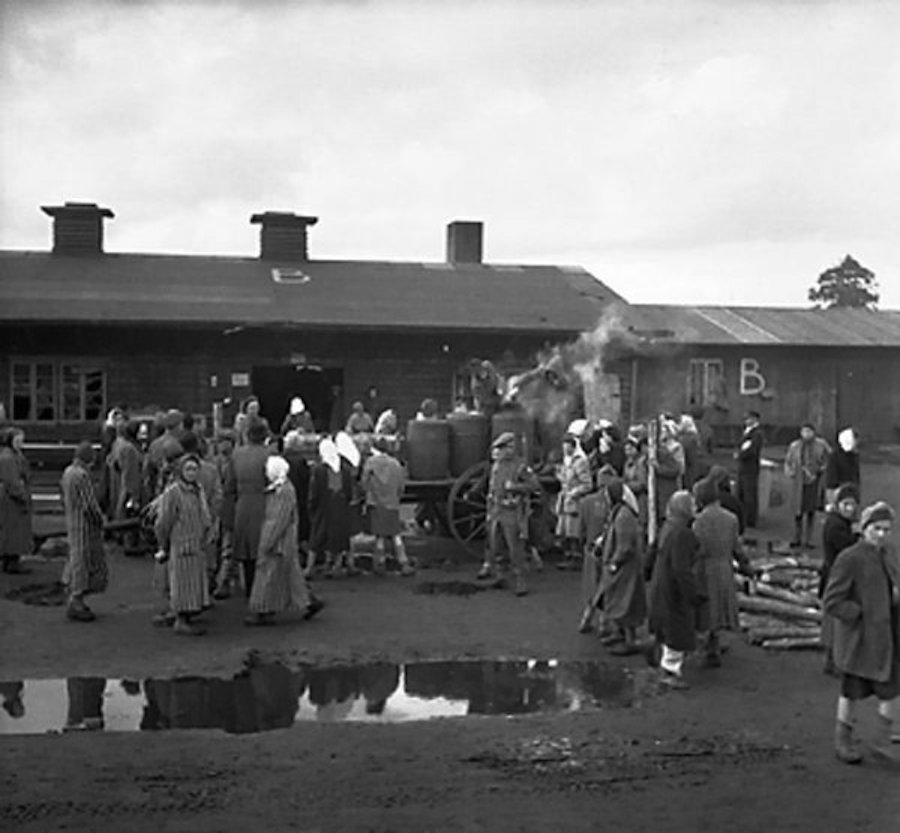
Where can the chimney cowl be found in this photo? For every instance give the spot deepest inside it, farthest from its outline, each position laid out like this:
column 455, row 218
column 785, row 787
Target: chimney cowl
column 77, row 227
column 282, row 235
column 464, row 241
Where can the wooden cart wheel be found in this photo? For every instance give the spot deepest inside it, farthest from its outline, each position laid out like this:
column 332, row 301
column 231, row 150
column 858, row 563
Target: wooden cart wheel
column 467, row 508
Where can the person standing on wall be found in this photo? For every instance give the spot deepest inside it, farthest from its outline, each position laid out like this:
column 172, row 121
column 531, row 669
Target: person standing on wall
column 748, row 456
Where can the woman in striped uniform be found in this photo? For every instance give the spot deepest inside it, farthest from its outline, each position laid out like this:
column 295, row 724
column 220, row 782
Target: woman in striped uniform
column 278, row 582
column 183, row 530
column 85, row 571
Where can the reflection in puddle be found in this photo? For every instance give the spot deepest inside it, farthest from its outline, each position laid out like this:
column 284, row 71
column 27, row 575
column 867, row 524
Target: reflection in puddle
column 271, row 696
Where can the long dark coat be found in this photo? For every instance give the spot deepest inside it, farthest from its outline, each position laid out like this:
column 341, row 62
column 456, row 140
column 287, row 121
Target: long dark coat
column 865, row 607
column 837, row 535
column 298, row 474
column 330, row 495
column 15, row 503
column 717, row 531
column 245, row 487
column 624, row 595
column 674, row 592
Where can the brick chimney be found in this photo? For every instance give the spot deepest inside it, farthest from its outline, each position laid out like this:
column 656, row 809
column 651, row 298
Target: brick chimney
column 77, row 227
column 464, row 241
column 282, row 235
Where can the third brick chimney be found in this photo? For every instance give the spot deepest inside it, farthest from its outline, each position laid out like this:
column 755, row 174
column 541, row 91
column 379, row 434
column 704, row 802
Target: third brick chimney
column 77, row 227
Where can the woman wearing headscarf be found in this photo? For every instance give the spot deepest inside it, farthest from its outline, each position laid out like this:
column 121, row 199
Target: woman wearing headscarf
column 674, row 592
column 125, row 463
column 297, row 419
column 863, row 596
column 843, row 464
column 183, row 531
column 245, row 487
column 837, row 535
column 85, row 571
column 805, row 464
column 330, row 493
column 278, row 583
column 574, row 476
column 720, row 478
column 717, row 531
column 635, row 474
column 668, row 466
column 622, row 590
column 15, row 501
column 351, row 451
column 298, row 474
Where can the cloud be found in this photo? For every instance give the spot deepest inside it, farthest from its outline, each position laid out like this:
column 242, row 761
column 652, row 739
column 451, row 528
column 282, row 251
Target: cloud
column 645, row 139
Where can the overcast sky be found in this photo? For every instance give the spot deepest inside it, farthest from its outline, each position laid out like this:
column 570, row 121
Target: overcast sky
column 692, row 152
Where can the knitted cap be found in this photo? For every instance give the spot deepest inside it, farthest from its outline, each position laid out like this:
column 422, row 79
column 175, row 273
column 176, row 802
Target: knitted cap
column 879, row 511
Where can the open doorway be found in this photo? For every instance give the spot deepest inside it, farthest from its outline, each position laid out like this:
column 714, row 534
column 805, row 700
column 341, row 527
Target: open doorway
column 319, row 388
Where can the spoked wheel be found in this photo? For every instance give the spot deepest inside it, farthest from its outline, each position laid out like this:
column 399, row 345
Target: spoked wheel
column 467, row 508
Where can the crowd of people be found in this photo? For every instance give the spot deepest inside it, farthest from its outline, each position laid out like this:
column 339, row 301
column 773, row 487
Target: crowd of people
column 654, row 527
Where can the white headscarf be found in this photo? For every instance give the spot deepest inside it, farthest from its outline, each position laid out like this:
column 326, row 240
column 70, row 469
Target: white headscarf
column 297, row 406
column 277, row 469
column 847, row 440
column 329, row 454
column 348, row 449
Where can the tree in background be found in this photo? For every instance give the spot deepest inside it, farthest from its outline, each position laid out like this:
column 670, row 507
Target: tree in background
column 847, row 285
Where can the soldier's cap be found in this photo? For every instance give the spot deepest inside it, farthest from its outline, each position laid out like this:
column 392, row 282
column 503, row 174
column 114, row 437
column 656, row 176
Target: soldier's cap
column 505, row 439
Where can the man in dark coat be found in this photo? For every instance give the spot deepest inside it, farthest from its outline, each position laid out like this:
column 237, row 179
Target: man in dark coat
column 863, row 596
column 748, row 456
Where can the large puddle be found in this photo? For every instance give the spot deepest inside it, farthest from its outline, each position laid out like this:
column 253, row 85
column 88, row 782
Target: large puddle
column 271, row 696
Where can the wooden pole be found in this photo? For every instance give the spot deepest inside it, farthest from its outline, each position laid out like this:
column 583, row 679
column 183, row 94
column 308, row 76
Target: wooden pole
column 652, row 441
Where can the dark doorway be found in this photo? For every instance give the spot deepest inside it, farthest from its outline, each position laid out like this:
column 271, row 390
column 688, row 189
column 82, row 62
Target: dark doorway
column 275, row 386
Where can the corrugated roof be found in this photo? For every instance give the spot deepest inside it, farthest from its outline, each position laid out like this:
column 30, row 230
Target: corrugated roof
column 38, row 286
column 767, row 325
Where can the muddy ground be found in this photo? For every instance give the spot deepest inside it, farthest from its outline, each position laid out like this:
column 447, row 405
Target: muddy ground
column 747, row 748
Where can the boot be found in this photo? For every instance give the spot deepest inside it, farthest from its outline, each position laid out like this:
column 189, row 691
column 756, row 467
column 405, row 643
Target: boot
column 520, row 588
column 78, row 611
column 845, row 748
column 798, row 533
column 486, row 571
column 884, row 737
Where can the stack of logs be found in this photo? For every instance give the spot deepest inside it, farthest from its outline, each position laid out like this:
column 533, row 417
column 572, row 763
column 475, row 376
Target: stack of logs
column 780, row 610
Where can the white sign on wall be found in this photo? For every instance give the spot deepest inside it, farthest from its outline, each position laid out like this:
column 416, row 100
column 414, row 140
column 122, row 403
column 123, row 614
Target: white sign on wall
column 752, row 380
column 240, row 380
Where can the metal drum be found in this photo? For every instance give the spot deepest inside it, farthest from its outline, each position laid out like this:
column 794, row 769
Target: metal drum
column 469, row 439
column 428, row 449
column 520, row 424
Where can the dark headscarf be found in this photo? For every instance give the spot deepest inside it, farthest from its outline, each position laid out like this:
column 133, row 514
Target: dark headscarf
column 720, row 476
column 847, row 491
column 706, row 491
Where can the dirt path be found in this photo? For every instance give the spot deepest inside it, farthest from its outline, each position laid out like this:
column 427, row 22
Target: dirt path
column 747, row 748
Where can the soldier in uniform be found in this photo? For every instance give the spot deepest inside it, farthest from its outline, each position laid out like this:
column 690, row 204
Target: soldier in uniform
column 511, row 482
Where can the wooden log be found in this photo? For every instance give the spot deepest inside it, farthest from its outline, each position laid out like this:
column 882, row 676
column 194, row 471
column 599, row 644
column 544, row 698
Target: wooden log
column 812, row 643
column 756, row 636
column 799, row 599
column 776, row 607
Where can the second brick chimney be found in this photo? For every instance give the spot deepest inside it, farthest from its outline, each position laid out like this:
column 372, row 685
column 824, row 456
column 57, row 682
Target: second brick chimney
column 282, row 235
column 77, row 227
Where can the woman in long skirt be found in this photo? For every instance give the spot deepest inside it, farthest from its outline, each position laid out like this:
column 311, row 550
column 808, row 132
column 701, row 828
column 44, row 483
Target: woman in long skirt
column 278, row 582
column 330, row 495
column 183, row 531
column 85, row 571
column 15, row 501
